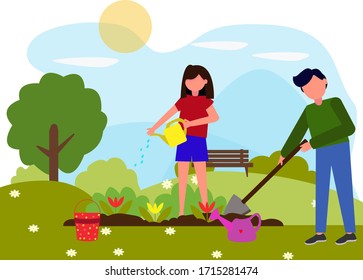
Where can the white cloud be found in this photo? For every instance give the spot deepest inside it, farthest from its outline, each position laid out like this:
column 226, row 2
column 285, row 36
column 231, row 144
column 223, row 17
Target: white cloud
column 94, row 62
column 221, row 45
column 283, row 56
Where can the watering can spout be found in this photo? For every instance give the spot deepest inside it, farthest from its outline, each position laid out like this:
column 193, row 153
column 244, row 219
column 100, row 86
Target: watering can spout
column 216, row 216
column 162, row 137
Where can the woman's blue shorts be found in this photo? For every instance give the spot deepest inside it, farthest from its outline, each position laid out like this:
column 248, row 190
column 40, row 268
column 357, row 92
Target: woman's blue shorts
column 194, row 149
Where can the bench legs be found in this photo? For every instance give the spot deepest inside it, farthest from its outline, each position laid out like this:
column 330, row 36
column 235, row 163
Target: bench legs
column 246, row 168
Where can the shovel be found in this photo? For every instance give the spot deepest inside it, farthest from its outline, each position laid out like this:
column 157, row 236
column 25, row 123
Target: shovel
column 238, row 206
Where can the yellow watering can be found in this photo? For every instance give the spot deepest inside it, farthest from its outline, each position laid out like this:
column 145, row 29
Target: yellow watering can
column 173, row 134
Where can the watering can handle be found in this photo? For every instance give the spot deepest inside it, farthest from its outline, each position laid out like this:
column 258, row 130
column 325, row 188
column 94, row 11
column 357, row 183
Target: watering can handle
column 174, row 121
column 259, row 220
column 273, row 172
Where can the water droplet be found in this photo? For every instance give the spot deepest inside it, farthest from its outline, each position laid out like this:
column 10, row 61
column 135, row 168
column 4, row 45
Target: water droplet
column 148, row 140
column 135, row 164
column 142, row 156
column 147, row 147
column 140, row 149
column 142, row 162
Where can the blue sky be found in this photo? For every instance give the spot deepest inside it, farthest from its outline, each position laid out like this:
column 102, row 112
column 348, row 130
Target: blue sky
column 227, row 52
column 139, row 87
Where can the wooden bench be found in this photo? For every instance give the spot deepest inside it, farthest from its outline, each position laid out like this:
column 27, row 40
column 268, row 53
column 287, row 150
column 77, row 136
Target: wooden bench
column 229, row 158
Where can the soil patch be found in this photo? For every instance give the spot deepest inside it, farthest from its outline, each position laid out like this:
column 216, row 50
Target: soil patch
column 189, row 220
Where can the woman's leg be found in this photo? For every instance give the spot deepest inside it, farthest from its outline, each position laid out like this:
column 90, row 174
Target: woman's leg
column 201, row 171
column 183, row 170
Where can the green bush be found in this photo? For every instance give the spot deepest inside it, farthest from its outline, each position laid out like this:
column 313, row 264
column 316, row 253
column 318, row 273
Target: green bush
column 130, row 204
column 101, row 174
column 297, row 168
column 32, row 173
column 192, row 198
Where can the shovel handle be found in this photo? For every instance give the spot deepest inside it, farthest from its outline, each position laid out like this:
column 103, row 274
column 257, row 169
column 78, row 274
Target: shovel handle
column 273, row 172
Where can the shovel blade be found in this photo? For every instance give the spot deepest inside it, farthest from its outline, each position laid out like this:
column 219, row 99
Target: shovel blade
column 236, row 206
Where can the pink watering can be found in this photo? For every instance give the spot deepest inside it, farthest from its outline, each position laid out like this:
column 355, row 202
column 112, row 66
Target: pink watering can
column 239, row 230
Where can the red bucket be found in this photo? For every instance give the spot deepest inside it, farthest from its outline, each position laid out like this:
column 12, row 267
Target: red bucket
column 87, row 224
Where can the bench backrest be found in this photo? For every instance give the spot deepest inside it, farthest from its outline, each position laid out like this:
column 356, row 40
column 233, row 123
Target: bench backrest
column 227, row 158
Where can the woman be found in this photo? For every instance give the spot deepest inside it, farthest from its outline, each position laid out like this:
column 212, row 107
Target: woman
column 197, row 110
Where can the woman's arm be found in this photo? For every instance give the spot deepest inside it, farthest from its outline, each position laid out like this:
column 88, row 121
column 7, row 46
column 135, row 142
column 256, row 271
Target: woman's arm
column 162, row 120
column 212, row 117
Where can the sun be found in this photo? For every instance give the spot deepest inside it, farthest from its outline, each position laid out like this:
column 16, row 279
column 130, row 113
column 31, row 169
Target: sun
column 125, row 26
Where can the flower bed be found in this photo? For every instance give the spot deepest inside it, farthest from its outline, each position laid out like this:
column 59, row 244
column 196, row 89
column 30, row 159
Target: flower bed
column 188, row 220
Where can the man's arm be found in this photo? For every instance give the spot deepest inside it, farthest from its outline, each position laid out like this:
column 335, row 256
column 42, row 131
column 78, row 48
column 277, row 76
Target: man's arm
column 345, row 129
column 296, row 135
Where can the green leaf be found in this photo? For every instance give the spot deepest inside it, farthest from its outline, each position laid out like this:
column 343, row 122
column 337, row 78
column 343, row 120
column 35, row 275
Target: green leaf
column 221, row 208
column 197, row 213
column 163, row 215
column 145, row 214
column 106, row 208
column 112, row 192
column 125, row 207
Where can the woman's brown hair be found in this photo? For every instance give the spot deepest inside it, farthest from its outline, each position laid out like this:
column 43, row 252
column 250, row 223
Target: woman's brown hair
column 192, row 71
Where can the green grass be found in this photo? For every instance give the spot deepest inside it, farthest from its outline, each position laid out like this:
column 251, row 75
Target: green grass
column 281, row 198
column 188, row 243
column 49, row 204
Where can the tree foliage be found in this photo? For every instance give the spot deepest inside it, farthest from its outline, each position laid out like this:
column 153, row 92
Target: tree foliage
column 101, row 175
column 55, row 123
column 297, row 168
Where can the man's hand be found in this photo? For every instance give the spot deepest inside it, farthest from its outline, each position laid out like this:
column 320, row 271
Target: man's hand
column 281, row 160
column 305, row 147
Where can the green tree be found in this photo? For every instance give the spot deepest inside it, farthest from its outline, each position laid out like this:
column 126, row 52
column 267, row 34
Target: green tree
column 55, row 123
column 32, row 173
column 101, row 175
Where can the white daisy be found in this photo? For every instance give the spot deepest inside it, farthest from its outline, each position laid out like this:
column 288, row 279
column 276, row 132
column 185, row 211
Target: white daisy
column 106, row 231
column 33, row 228
column 313, row 203
column 71, row 253
column 170, row 231
column 288, row 256
column 194, row 180
column 118, row 252
column 14, row 193
column 167, row 184
column 217, row 254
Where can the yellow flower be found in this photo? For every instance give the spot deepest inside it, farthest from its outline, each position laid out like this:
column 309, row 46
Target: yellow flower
column 155, row 209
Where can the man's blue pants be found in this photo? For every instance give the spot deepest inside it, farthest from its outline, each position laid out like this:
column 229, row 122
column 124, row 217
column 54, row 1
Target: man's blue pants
column 334, row 158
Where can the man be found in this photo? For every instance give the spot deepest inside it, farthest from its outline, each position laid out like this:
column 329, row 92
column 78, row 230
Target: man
column 329, row 125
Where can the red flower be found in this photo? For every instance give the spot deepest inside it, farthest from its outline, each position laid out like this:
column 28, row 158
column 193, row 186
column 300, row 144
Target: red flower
column 206, row 208
column 115, row 202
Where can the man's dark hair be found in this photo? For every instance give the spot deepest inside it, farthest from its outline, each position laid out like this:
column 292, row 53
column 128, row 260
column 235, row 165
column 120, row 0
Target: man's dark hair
column 305, row 76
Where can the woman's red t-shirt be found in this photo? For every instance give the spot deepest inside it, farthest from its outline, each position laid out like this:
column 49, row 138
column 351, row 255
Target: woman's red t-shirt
column 192, row 108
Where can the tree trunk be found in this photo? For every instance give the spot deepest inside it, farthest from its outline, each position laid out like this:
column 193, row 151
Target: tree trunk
column 53, row 153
